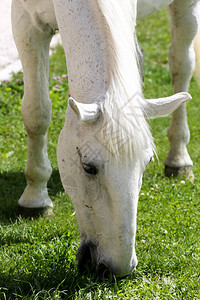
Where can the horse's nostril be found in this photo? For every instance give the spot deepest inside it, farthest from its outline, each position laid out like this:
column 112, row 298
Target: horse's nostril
column 88, row 259
column 83, row 257
column 104, row 271
column 87, row 255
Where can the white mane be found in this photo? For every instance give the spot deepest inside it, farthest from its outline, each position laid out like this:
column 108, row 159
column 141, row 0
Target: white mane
column 125, row 126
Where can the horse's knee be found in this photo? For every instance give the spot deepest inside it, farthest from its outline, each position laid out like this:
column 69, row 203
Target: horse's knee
column 184, row 26
column 36, row 115
column 182, row 65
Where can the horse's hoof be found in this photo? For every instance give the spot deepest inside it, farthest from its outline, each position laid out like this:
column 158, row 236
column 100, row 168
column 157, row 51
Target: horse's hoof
column 35, row 212
column 180, row 172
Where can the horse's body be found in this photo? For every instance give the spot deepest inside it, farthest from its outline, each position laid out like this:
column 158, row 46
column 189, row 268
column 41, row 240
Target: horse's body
column 102, row 175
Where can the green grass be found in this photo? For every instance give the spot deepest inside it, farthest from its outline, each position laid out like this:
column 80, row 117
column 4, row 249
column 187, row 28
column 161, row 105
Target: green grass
column 38, row 257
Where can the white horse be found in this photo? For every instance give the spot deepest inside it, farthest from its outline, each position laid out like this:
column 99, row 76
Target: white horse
column 106, row 142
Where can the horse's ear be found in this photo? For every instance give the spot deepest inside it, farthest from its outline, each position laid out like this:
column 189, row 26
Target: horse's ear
column 164, row 106
column 88, row 113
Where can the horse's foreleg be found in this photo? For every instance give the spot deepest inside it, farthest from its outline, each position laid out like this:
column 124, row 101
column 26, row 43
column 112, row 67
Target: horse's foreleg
column 33, row 46
column 182, row 62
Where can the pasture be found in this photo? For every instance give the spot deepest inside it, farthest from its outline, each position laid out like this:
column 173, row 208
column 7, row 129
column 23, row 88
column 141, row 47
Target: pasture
column 38, row 257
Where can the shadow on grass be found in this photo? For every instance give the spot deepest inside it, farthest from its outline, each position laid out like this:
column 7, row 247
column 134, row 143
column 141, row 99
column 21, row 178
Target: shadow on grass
column 67, row 283
column 12, row 186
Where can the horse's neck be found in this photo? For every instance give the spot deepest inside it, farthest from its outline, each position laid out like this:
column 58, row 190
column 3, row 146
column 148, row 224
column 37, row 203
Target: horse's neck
column 97, row 36
column 83, row 39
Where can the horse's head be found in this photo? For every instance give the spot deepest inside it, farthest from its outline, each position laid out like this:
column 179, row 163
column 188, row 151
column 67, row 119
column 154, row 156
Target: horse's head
column 104, row 189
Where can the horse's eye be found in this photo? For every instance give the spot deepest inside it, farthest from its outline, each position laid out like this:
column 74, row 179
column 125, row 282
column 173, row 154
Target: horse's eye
column 90, row 169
